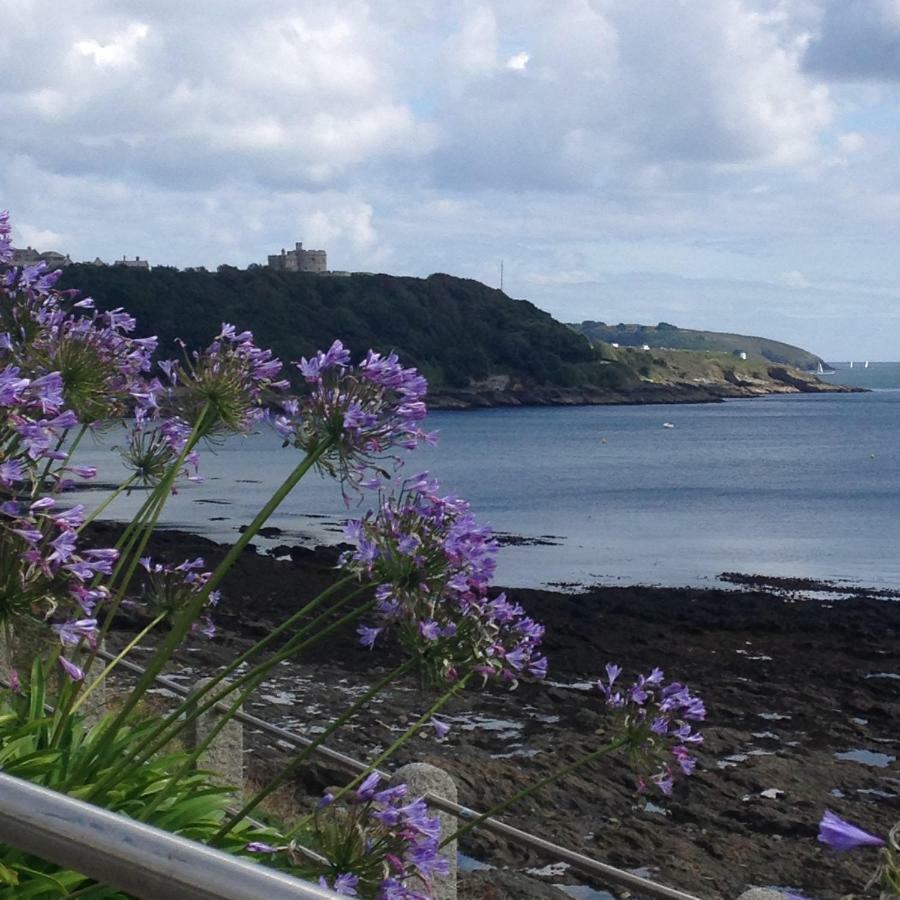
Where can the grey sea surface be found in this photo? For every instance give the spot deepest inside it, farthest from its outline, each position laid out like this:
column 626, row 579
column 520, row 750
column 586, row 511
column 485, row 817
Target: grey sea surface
column 793, row 486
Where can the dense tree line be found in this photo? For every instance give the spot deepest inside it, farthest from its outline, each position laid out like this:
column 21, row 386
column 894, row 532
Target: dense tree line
column 454, row 330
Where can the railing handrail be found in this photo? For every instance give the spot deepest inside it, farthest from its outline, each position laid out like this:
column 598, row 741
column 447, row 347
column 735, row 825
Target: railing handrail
column 130, row 856
column 578, row 861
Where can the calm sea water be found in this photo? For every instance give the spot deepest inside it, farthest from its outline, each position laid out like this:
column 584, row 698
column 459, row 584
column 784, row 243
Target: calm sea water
column 805, row 485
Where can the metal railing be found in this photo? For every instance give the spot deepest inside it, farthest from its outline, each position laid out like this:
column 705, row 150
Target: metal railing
column 578, row 861
column 132, row 857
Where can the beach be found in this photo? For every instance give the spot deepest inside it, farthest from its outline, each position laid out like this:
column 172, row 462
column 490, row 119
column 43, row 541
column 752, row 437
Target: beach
column 800, row 683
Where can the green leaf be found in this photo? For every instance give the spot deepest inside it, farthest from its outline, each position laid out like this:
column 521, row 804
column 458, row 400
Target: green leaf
column 39, row 884
column 38, row 691
column 8, row 875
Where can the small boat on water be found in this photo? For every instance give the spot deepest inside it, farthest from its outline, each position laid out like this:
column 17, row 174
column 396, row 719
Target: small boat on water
column 866, row 366
column 821, row 370
column 668, row 425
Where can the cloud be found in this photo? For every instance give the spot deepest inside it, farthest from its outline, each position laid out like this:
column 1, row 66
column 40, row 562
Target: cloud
column 620, row 93
column 118, row 52
column 857, row 39
column 705, row 143
column 518, row 61
column 293, row 96
column 794, row 279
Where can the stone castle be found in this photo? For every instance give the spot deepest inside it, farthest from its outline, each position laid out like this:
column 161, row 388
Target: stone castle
column 299, row 260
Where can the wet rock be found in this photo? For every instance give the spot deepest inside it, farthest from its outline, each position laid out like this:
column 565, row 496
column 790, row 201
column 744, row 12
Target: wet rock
column 499, row 884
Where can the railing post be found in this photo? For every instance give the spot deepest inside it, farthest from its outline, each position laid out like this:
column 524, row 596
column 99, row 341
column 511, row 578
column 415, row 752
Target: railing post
column 765, row 894
column 422, row 778
column 225, row 755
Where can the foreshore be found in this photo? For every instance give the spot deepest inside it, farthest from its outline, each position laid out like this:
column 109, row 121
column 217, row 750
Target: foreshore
column 791, row 685
column 636, row 395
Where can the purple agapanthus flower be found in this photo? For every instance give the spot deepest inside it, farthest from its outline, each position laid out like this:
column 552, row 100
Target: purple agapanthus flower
column 364, row 414
column 73, row 672
column 432, row 562
column 841, row 835
column 655, row 721
column 260, row 847
column 344, row 884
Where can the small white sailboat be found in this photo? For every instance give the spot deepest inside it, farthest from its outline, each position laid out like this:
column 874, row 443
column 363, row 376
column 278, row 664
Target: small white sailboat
column 851, row 363
column 866, row 366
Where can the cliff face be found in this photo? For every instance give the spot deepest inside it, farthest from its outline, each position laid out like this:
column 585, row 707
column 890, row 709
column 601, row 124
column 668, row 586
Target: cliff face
column 476, row 346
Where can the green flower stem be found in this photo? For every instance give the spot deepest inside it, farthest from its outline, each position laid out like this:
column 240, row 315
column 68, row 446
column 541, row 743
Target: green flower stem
column 409, row 733
column 183, row 708
column 520, row 795
column 71, row 452
column 192, row 709
column 150, row 511
column 263, row 515
column 111, row 665
column 8, row 635
column 189, row 614
column 300, row 758
column 124, row 486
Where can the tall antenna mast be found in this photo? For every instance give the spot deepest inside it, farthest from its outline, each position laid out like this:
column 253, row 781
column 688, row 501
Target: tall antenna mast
column 501, row 274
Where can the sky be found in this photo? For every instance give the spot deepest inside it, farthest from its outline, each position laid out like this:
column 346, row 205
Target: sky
column 722, row 164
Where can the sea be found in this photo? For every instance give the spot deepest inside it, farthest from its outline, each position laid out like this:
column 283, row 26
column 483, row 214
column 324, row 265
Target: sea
column 804, row 485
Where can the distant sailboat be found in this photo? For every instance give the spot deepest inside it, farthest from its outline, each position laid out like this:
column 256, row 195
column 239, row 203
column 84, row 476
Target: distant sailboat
column 866, row 366
column 851, row 364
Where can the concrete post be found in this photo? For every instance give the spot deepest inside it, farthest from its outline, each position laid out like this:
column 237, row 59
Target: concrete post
column 225, row 755
column 422, row 778
column 763, row 894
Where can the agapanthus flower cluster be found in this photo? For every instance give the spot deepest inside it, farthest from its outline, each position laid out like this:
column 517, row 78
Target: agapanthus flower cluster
column 41, row 566
column 101, row 366
column 655, row 722
column 226, row 383
column 377, row 843
column 62, row 365
column 431, row 563
column 154, row 445
column 44, row 331
column 168, row 589
column 365, row 412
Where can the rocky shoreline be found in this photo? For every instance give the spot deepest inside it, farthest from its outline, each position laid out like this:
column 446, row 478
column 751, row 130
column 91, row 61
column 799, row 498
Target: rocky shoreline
column 485, row 397
column 803, row 696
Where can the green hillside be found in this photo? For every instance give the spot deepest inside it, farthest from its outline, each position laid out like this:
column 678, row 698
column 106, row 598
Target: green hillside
column 671, row 337
column 476, row 346
column 456, row 331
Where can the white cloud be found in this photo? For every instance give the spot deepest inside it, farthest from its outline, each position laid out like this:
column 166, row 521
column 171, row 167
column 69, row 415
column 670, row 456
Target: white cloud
column 116, row 53
column 625, row 86
column 794, row 279
column 518, row 61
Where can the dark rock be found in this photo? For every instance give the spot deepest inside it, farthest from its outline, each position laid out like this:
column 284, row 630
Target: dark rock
column 500, row 884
